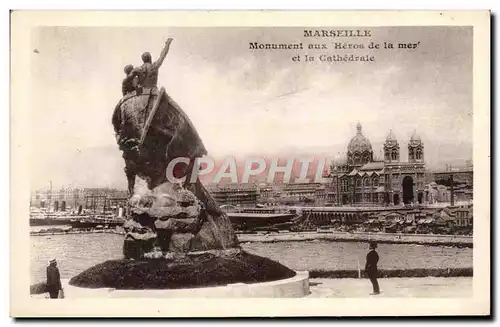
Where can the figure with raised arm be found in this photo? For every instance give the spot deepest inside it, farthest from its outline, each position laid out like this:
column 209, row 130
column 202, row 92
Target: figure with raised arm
column 148, row 72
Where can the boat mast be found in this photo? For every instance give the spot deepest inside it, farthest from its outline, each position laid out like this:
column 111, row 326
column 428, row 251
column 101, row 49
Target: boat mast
column 49, row 197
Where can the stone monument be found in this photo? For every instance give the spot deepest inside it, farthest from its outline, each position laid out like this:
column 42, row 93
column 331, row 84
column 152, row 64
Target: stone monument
column 176, row 234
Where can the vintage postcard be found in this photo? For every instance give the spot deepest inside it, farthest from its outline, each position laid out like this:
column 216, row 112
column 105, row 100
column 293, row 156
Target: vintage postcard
column 215, row 164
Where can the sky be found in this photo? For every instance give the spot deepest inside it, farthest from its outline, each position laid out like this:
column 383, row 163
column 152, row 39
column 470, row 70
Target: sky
column 248, row 102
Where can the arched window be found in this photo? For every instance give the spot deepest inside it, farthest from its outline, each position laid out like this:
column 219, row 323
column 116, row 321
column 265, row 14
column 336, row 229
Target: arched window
column 375, row 181
column 394, row 155
column 419, row 154
column 366, row 181
column 358, row 182
column 387, row 155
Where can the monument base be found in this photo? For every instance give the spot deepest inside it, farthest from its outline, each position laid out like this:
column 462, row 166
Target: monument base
column 294, row 287
column 189, row 271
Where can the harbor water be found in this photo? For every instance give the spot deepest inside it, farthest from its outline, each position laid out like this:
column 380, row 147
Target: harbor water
column 77, row 252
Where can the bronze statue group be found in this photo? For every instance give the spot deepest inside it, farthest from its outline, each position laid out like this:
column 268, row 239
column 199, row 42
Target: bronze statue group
column 146, row 75
column 137, row 81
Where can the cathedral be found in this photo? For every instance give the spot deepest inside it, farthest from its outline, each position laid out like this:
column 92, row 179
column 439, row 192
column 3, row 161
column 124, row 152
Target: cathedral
column 362, row 181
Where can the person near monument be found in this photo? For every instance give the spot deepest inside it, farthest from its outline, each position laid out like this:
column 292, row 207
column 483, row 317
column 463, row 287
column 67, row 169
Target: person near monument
column 371, row 269
column 53, row 279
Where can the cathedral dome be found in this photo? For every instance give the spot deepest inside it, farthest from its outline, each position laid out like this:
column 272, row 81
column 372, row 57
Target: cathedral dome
column 359, row 143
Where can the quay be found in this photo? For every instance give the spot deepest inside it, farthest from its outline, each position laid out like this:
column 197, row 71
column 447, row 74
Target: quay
column 76, row 231
column 335, row 236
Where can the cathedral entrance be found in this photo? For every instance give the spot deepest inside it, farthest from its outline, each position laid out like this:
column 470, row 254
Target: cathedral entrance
column 407, row 190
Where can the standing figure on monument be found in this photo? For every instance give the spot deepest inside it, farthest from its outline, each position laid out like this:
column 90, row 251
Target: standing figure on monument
column 148, row 72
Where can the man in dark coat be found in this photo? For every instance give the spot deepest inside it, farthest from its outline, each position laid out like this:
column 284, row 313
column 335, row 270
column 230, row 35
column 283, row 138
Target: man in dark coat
column 53, row 279
column 371, row 267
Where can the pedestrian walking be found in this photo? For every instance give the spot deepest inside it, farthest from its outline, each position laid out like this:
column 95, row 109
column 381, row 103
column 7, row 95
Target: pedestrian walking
column 53, row 280
column 371, row 269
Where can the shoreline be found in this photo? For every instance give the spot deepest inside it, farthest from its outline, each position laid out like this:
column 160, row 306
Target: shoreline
column 328, row 236
column 97, row 231
column 387, row 238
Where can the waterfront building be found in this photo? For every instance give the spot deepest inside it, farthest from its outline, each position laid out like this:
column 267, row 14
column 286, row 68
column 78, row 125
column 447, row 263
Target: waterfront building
column 460, row 175
column 71, row 199
column 265, row 191
column 243, row 195
column 301, row 191
column 309, row 193
column 463, row 216
column 362, row 181
column 321, row 195
column 462, row 179
column 61, row 199
column 437, row 193
column 463, row 193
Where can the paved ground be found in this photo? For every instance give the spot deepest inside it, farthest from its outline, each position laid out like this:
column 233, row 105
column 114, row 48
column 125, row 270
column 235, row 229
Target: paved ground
column 459, row 287
column 393, row 287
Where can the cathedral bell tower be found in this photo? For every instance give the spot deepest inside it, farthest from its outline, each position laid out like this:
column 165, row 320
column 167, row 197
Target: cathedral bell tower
column 415, row 149
column 391, row 148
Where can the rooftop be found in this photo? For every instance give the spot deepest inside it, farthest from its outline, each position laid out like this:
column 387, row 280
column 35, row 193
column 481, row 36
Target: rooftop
column 374, row 165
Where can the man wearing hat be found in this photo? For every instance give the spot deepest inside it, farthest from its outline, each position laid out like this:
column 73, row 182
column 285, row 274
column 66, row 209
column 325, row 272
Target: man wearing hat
column 53, row 279
column 371, row 267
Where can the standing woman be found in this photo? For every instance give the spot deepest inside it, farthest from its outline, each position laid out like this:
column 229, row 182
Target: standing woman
column 371, row 267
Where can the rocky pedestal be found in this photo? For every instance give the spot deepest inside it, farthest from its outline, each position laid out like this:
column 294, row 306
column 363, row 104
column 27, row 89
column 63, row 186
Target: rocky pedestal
column 171, row 219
